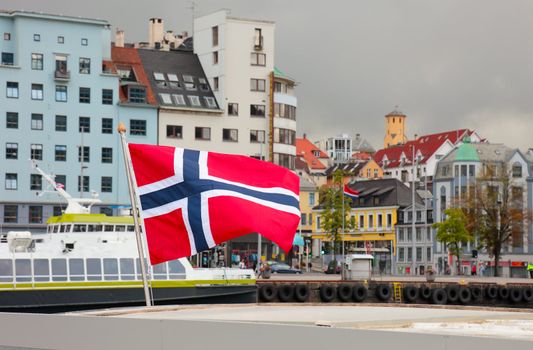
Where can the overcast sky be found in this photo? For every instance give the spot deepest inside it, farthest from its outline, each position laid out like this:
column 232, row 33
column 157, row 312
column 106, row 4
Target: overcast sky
column 447, row 64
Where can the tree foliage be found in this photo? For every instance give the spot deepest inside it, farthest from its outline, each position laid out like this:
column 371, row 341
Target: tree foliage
column 453, row 232
column 331, row 216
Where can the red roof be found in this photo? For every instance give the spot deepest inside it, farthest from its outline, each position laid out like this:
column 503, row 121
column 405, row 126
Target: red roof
column 306, row 149
column 128, row 57
column 426, row 145
column 361, row 156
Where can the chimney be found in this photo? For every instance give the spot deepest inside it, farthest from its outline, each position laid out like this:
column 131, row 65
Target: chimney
column 119, row 38
column 305, row 135
column 155, row 31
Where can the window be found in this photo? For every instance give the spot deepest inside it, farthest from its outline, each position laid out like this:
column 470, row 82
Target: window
column 61, row 153
column 12, row 120
column 428, row 234
column 258, row 59
column 401, row 235
column 389, row 220
column 107, row 126
column 233, row 109
column 84, row 124
column 304, row 219
column 257, row 110
column 409, row 234
column 230, row 135
column 370, row 221
column 7, row 36
column 257, row 84
column 85, row 184
column 380, row 220
column 107, row 184
column 284, row 136
column 174, row 131
column 517, row 170
column 85, row 153
column 159, row 76
column 409, row 254
column 37, row 61
column 107, row 155
column 375, row 199
column 61, row 93
column 12, row 89
column 61, row 180
column 428, row 254
column 257, row 136
column 61, row 67
column 36, row 214
column 285, row 111
column 36, row 121
column 137, row 94
column 210, row 102
column 178, row 99
column 84, row 42
column 36, row 91
column 215, row 57
column 203, row 84
column 11, row 181
column 214, row 35
column 201, row 133
column 195, row 101
column 10, row 213
column 36, row 37
column 258, row 39
column 311, row 199
column 165, row 98
column 61, row 123
column 138, row 127
column 419, row 234
column 85, row 95
column 107, row 96
column 36, row 151
column 419, row 254
column 8, row 59
column 60, row 39
column 280, row 87
column 418, row 215
column 471, row 170
column 189, row 82
column 36, row 182
column 215, row 83
column 172, row 77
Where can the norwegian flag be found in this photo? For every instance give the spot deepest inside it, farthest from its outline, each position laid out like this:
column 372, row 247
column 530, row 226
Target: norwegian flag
column 353, row 194
column 193, row 200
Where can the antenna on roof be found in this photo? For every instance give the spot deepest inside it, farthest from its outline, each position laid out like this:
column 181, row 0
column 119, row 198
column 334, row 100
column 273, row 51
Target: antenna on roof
column 193, row 10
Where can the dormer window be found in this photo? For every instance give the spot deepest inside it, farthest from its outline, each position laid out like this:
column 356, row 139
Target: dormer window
column 159, row 76
column 258, row 39
column 316, row 153
column 517, row 170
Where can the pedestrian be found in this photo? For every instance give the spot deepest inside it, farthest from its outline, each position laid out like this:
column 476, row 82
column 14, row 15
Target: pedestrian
column 530, row 269
column 474, row 270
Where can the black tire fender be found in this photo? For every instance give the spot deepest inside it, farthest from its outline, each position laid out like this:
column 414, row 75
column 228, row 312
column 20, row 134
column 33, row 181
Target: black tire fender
column 439, row 296
column 267, row 292
column 503, row 293
column 491, row 292
column 465, row 295
column 452, row 292
column 516, row 294
column 425, row 292
column 344, row 292
column 383, row 292
column 326, row 292
column 410, row 294
column 477, row 293
column 528, row 294
column 301, row 292
column 286, row 292
column 359, row 293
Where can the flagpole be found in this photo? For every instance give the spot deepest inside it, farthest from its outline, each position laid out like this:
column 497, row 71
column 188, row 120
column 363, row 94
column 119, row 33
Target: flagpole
column 127, row 161
column 342, row 237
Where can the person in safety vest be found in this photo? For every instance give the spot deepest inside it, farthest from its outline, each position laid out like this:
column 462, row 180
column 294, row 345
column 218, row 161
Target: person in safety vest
column 530, row 269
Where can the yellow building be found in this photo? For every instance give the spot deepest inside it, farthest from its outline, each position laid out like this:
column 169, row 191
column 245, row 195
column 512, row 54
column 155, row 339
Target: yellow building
column 375, row 214
column 371, row 170
column 395, row 129
column 308, row 199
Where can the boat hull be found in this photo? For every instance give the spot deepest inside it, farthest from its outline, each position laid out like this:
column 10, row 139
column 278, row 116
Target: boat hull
column 61, row 300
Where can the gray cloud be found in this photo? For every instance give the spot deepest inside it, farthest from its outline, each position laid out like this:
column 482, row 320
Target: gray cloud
column 447, row 64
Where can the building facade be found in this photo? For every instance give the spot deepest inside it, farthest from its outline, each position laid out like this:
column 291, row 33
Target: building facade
column 60, row 108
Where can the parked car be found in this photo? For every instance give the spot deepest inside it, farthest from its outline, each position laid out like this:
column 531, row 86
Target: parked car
column 283, row 268
column 333, row 267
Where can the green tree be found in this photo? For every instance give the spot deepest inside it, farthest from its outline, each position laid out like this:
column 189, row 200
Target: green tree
column 453, row 232
column 332, row 211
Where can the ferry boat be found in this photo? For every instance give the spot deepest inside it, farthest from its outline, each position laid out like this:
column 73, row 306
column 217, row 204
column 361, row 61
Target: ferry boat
column 87, row 261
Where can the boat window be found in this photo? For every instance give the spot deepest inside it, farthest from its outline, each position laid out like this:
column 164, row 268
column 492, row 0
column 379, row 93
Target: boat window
column 131, row 228
column 56, row 228
column 127, row 270
column 90, row 228
column 23, row 270
column 41, row 270
column 94, row 270
column 108, row 228
column 76, row 269
column 176, row 270
column 138, row 267
column 80, row 228
column 63, row 228
column 59, row 269
column 120, row 228
column 110, row 269
column 160, row 271
column 6, row 270
column 99, row 228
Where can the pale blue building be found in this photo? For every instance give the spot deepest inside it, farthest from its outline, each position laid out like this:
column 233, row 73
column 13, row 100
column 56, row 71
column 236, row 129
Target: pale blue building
column 57, row 96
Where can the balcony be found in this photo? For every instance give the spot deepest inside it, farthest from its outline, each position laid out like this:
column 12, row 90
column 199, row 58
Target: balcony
column 62, row 75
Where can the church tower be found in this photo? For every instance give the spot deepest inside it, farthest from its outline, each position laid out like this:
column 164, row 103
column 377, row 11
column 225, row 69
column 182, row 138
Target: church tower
column 395, row 128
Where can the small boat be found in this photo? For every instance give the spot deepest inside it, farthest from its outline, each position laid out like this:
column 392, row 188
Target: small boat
column 88, row 261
